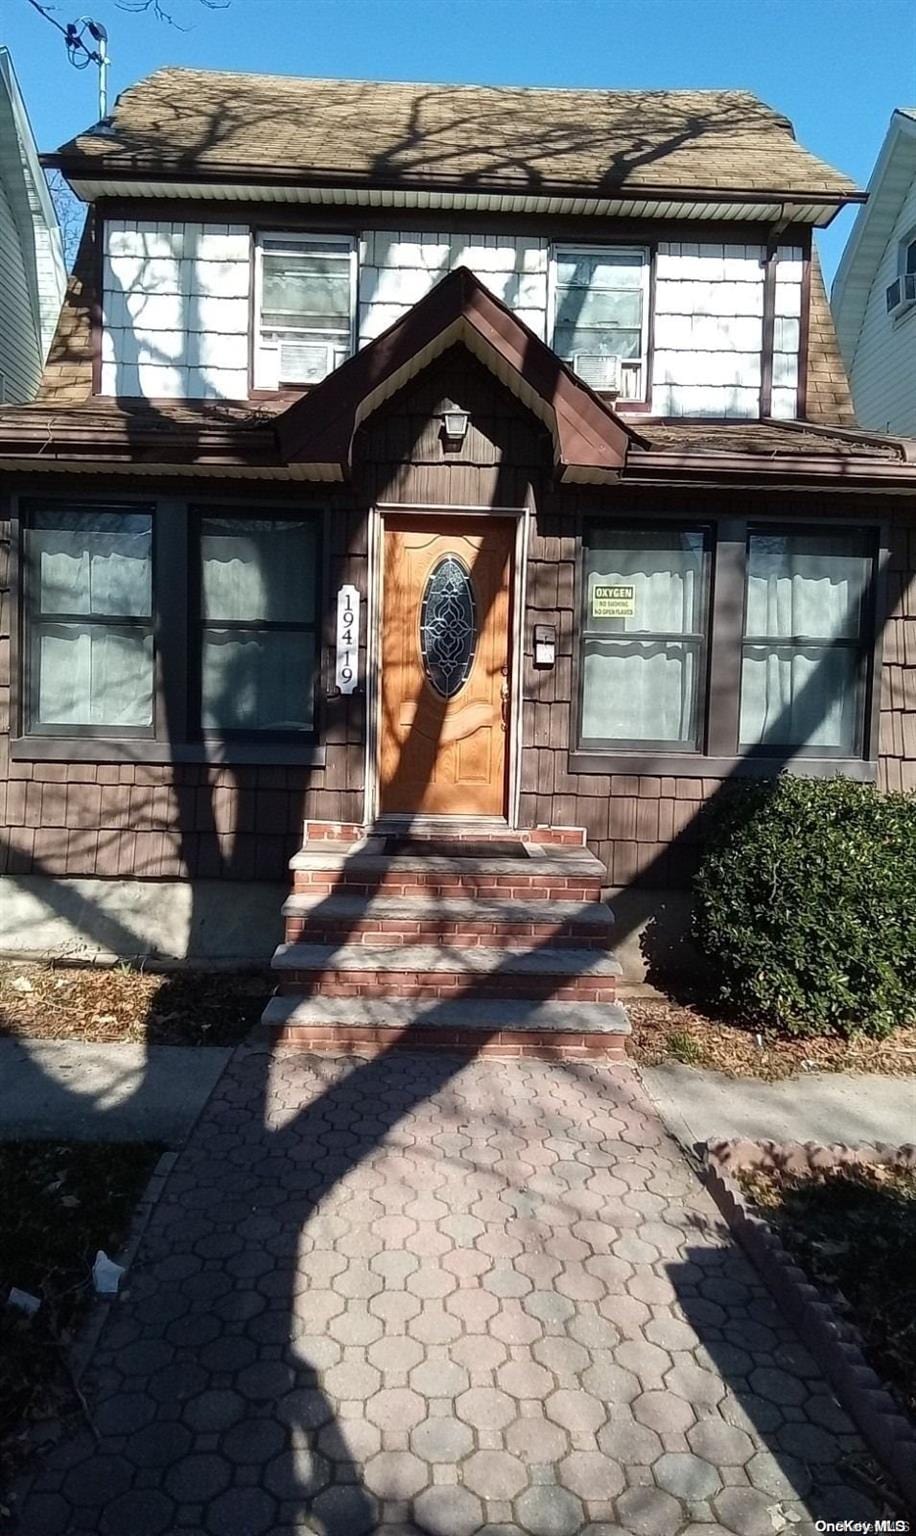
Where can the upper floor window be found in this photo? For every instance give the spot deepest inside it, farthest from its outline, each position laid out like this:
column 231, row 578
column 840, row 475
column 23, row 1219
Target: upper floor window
column 600, row 315
column 305, row 292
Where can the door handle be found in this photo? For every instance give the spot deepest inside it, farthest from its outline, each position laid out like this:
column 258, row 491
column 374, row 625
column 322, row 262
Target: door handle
column 504, row 701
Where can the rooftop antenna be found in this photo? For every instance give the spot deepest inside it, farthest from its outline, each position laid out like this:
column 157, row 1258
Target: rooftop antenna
column 79, row 52
column 76, row 46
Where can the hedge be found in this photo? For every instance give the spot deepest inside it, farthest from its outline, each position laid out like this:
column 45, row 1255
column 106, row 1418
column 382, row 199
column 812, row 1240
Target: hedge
column 805, row 905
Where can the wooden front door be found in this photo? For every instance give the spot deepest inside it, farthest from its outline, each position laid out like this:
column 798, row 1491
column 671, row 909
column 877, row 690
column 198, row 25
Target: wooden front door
column 446, row 611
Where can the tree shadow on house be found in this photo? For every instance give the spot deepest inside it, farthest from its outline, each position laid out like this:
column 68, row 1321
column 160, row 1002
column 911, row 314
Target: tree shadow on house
column 206, row 1393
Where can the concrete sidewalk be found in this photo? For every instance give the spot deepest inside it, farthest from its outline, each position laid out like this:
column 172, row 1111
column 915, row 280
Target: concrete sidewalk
column 856, row 1108
column 75, row 1091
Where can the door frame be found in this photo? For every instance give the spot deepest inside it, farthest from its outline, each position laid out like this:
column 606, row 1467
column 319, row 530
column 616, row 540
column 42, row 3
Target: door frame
column 378, row 515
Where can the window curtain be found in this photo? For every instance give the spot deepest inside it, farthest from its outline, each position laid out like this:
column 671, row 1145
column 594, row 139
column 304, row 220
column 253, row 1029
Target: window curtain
column 644, row 689
column 257, row 573
column 94, row 675
column 800, row 683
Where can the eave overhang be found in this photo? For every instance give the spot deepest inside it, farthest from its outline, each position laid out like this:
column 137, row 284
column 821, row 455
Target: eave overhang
column 589, row 438
column 97, row 179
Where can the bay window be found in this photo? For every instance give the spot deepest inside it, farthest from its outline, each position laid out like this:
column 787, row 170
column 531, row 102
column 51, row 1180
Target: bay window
column 600, row 315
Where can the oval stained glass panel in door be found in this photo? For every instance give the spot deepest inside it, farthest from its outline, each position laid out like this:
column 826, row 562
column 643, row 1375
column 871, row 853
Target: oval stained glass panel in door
column 448, row 627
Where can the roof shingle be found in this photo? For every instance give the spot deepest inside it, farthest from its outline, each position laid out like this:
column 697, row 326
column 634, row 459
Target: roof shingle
column 517, row 138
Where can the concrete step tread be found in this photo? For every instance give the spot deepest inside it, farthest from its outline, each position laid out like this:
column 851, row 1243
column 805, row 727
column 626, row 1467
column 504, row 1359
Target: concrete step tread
column 536, row 961
column 539, row 861
column 504, row 1014
column 346, row 905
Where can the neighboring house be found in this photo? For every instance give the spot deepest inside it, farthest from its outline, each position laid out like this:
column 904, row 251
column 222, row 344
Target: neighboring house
column 32, row 275
column 874, row 294
column 549, row 378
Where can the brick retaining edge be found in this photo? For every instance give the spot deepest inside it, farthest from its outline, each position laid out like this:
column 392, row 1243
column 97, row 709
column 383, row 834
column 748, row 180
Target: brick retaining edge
column 833, row 1342
column 337, row 1040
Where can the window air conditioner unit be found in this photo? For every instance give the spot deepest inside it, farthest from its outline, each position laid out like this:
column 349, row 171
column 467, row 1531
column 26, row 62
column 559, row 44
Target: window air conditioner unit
column 305, row 362
column 901, row 293
column 599, row 369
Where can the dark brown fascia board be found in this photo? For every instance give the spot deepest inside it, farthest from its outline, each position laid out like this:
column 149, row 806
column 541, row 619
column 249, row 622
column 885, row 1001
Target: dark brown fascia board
column 319, row 428
column 803, row 469
column 108, row 168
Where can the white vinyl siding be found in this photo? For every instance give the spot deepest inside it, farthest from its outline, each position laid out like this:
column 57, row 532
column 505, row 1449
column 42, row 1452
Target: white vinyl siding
column 397, row 269
column 175, row 305
column 708, row 329
column 883, row 366
column 20, row 342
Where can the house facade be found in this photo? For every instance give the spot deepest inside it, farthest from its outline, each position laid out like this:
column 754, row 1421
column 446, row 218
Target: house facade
column 874, row 294
column 461, row 458
column 32, row 275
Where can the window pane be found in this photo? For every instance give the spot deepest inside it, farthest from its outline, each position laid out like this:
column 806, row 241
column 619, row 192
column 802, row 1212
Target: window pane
column 800, row 696
column 93, row 562
column 662, row 572
column 578, row 307
column 567, row 341
column 642, row 692
column 93, row 675
column 257, row 681
column 600, row 269
column 308, row 296
column 258, row 569
column 806, row 585
column 910, row 266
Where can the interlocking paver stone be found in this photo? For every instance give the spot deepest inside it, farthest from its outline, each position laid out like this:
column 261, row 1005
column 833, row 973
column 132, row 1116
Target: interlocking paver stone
column 471, row 1298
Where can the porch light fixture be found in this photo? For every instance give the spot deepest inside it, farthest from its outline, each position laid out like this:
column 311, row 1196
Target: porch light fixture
column 455, row 426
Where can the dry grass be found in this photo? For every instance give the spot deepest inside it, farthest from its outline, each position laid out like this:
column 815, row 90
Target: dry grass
column 665, row 1031
column 853, row 1230
column 123, row 1004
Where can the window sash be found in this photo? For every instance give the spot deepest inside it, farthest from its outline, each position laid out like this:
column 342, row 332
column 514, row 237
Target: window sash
column 50, row 625
column 214, row 625
column 329, row 260
column 603, row 544
column 626, row 278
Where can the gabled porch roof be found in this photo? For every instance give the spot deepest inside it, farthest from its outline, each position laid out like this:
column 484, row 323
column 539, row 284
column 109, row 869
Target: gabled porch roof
column 590, row 441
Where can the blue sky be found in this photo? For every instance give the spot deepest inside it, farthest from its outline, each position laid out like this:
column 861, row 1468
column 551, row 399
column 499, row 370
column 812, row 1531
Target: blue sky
column 837, row 68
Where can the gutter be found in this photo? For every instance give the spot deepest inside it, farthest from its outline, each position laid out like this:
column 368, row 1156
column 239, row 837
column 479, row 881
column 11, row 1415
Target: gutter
column 118, row 168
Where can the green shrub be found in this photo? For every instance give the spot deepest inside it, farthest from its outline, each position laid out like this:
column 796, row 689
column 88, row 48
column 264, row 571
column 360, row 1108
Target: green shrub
column 805, row 905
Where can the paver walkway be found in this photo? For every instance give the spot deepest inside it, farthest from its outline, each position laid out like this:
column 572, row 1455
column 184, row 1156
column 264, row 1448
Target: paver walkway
column 420, row 1295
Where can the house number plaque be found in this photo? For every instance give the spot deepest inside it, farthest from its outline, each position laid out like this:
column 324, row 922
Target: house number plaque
column 347, row 638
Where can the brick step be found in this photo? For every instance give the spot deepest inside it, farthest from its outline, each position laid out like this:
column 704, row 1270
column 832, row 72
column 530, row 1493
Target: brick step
column 363, row 970
column 502, row 1027
column 563, row 874
column 422, row 919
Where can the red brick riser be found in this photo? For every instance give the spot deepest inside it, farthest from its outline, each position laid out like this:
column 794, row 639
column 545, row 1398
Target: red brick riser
column 419, row 883
column 448, row 984
column 468, row 935
column 515, row 1043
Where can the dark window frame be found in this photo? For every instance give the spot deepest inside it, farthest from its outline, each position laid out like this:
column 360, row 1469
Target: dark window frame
column 720, row 755
column 700, row 637
column 859, row 645
column 33, row 620
column 173, row 739
column 197, row 623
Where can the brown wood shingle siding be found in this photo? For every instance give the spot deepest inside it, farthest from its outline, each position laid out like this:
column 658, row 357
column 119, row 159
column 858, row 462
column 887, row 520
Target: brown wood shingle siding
column 131, row 820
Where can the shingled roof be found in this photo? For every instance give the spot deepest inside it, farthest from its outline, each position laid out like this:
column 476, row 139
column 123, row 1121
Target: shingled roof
column 381, row 133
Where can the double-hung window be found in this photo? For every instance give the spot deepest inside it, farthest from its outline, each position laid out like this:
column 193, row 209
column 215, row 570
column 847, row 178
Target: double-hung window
column 644, row 638
column 803, row 655
column 305, row 296
column 257, row 625
column 89, row 644
column 600, row 315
